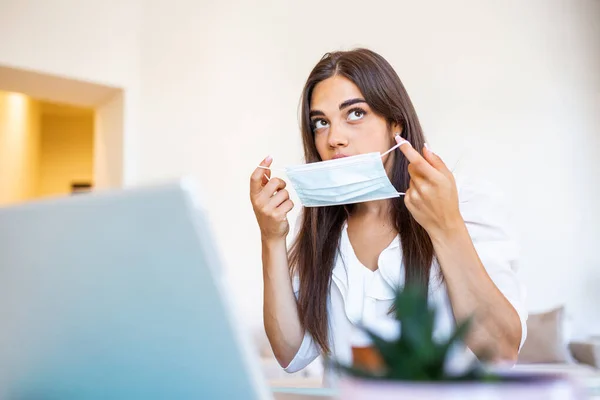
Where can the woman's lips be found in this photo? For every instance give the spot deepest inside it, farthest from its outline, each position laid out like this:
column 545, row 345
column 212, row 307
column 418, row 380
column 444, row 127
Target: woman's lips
column 335, row 157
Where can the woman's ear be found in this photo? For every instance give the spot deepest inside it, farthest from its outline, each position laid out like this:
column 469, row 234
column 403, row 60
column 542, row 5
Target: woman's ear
column 397, row 129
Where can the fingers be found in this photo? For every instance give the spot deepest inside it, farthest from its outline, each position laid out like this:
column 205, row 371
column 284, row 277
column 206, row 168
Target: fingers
column 409, row 152
column 274, row 185
column 411, row 198
column 420, row 166
column 278, row 199
column 286, row 206
column 262, row 199
column 435, row 160
column 420, row 187
column 266, row 178
column 260, row 176
column 415, row 194
column 278, row 205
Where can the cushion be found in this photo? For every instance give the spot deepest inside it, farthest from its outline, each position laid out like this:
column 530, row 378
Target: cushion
column 546, row 340
column 586, row 352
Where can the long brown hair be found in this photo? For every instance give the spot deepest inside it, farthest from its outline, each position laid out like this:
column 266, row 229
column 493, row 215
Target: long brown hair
column 313, row 252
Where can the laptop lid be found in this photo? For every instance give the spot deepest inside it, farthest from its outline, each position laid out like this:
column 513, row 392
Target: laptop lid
column 118, row 295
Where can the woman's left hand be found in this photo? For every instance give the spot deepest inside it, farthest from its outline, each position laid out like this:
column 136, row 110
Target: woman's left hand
column 432, row 197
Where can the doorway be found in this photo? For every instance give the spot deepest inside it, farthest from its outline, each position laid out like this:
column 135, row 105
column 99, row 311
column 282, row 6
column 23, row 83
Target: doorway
column 58, row 136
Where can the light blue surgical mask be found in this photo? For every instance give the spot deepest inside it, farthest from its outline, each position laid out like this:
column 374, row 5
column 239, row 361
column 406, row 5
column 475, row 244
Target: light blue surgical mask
column 346, row 180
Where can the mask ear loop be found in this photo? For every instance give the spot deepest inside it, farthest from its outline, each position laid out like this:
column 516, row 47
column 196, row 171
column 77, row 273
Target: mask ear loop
column 395, row 147
column 270, row 169
column 392, row 149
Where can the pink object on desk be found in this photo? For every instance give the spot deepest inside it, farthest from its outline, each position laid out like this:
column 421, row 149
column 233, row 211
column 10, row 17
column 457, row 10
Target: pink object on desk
column 539, row 389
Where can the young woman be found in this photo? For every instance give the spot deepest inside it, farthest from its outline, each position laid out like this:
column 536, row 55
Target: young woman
column 346, row 260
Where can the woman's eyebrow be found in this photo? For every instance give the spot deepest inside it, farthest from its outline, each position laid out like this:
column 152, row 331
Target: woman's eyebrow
column 347, row 103
column 350, row 102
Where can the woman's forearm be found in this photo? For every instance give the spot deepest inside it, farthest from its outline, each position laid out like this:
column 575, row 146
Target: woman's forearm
column 280, row 311
column 496, row 327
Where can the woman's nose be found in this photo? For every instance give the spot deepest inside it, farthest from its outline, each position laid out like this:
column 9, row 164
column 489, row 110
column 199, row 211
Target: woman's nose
column 337, row 138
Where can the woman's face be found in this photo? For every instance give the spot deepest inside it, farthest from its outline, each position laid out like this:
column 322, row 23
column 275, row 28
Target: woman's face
column 343, row 123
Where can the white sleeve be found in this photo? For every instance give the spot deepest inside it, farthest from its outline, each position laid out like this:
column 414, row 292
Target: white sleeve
column 487, row 221
column 308, row 350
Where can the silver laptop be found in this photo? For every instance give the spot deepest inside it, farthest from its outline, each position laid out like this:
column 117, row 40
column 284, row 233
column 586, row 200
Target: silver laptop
column 118, row 295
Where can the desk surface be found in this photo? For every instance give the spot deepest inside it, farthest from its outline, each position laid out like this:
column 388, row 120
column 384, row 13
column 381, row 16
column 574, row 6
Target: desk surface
column 284, row 393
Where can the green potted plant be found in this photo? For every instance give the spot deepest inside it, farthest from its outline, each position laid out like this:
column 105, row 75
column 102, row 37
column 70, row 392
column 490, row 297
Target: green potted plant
column 413, row 365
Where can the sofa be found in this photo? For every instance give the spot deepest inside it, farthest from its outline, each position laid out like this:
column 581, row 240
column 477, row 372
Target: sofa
column 550, row 349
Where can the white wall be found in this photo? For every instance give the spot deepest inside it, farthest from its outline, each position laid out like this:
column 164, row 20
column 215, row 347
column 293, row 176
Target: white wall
column 218, row 96
column 19, row 147
column 511, row 88
column 91, row 41
column 108, row 144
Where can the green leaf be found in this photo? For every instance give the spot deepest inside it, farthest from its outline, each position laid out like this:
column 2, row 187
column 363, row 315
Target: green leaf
column 415, row 355
column 457, row 336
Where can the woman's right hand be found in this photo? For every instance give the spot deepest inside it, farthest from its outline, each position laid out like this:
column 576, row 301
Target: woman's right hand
column 271, row 202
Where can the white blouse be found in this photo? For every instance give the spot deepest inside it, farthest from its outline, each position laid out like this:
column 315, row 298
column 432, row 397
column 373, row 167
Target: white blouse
column 360, row 295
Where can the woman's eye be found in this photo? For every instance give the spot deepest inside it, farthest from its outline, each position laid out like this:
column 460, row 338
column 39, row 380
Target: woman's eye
column 319, row 124
column 355, row 115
